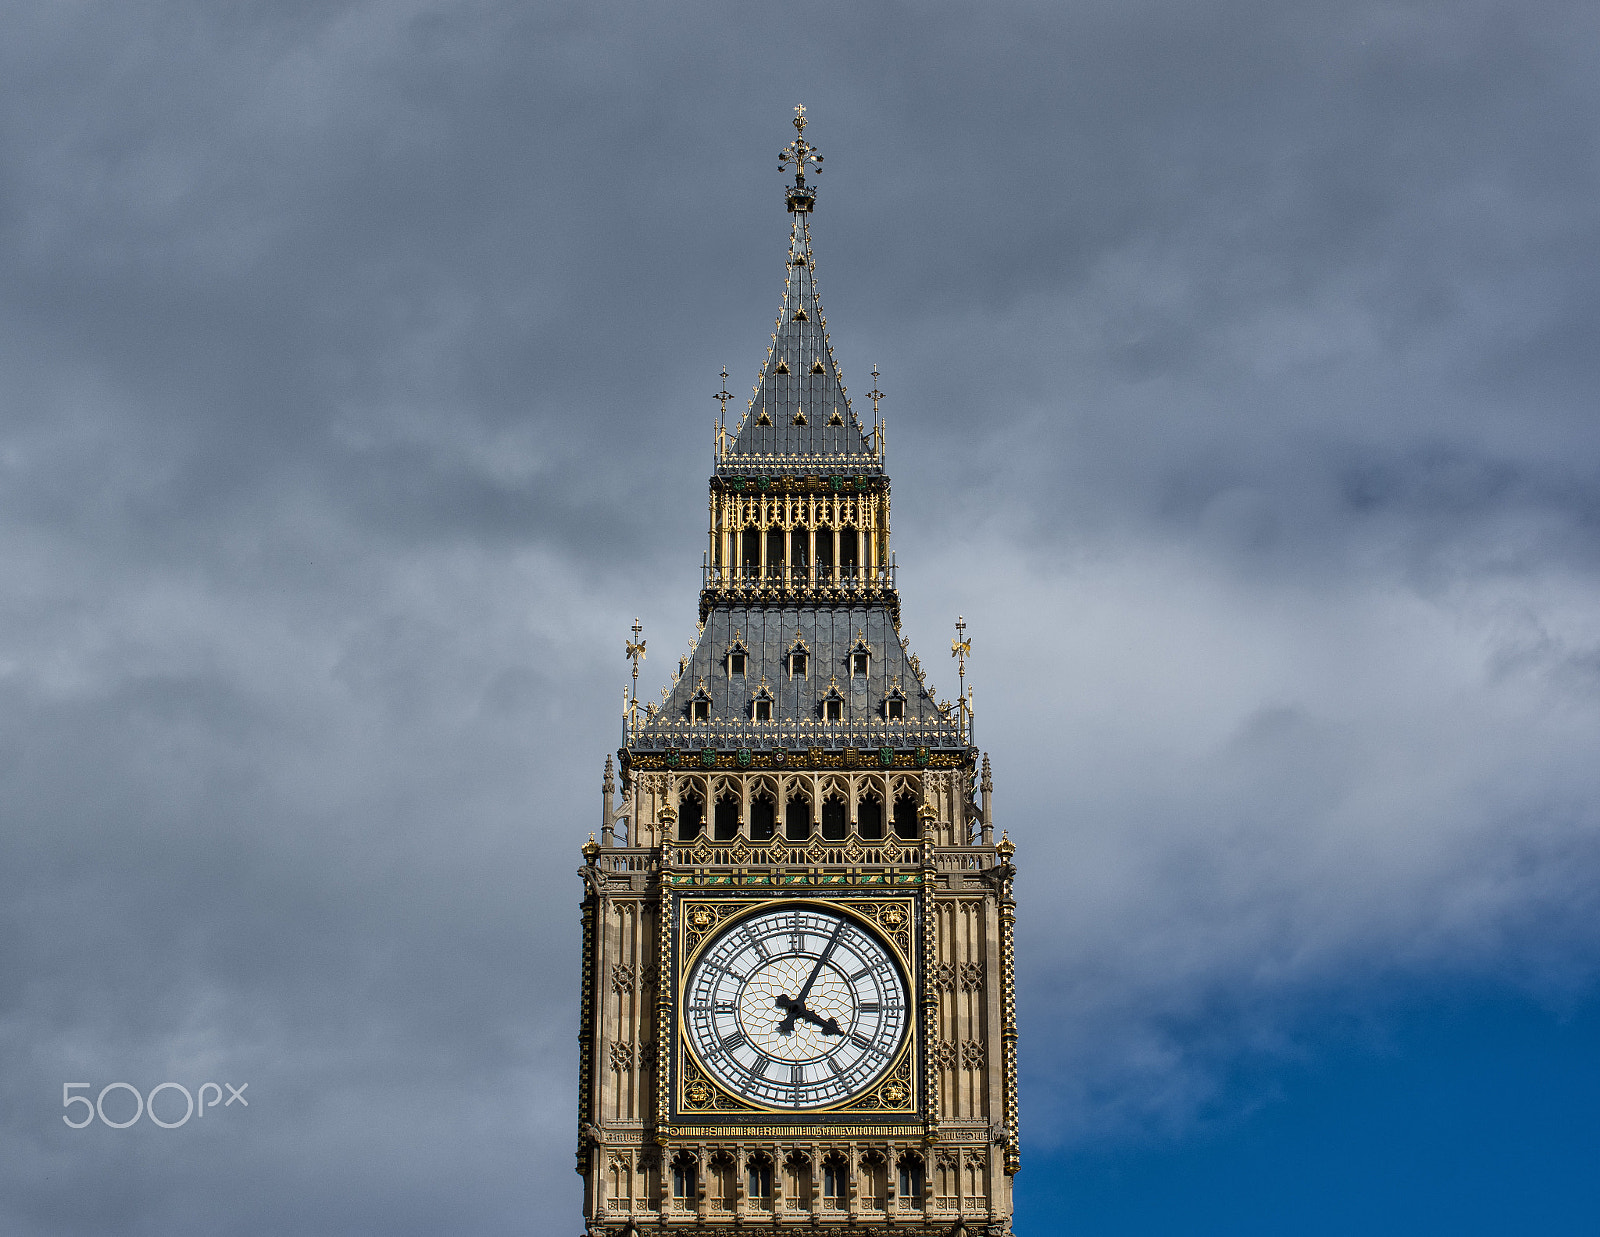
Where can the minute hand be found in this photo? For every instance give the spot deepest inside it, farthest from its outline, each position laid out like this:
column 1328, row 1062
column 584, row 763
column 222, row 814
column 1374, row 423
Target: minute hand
column 799, row 1002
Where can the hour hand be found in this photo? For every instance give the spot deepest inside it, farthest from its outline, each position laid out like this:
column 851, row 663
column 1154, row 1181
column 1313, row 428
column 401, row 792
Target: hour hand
column 794, row 1008
column 797, row 1009
column 829, row 1026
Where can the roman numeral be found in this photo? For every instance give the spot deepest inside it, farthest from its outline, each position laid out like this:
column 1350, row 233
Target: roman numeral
column 730, row 1042
column 869, row 1007
column 860, row 1040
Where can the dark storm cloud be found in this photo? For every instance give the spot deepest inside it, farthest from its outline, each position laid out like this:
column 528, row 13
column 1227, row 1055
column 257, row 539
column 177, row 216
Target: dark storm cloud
column 355, row 373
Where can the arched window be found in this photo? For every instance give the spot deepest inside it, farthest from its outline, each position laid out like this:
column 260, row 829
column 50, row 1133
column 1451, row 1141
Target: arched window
column 910, row 1184
column 720, row 1191
column 873, row 1184
column 835, row 819
column 869, row 818
column 691, row 817
column 763, row 819
column 758, row 1180
column 905, row 818
column 797, row 819
column 835, row 1183
column 797, row 1180
column 725, row 823
column 750, row 552
column 849, row 550
column 775, row 540
column 683, row 1182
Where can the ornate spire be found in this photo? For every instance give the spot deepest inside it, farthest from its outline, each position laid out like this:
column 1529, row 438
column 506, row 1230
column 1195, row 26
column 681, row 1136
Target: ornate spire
column 797, row 154
column 799, row 417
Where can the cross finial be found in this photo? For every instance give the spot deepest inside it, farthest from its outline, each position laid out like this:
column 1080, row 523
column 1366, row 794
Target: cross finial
column 874, row 395
column 635, row 652
column 724, row 395
column 961, row 649
column 803, row 157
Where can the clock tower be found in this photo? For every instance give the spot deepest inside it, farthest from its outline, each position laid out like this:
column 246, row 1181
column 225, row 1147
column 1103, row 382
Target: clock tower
column 798, row 976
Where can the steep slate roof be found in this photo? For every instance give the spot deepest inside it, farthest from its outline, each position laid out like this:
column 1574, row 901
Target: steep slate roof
column 830, row 636
column 789, row 384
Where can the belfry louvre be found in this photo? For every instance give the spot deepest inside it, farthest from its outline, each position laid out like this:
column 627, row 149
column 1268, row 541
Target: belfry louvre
column 798, row 976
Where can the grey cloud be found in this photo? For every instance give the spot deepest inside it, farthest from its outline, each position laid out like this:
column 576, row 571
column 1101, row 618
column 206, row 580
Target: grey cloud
column 356, row 366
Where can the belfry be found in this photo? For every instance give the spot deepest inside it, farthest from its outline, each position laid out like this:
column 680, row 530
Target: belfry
column 798, row 976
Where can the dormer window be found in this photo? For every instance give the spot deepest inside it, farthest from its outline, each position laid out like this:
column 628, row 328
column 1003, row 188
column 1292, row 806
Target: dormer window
column 701, row 710
column 860, row 657
column 736, row 664
column 761, row 703
column 895, row 710
column 833, row 704
column 799, row 657
column 738, row 655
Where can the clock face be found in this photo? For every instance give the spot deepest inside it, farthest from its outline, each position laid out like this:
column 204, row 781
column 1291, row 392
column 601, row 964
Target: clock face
column 795, row 1007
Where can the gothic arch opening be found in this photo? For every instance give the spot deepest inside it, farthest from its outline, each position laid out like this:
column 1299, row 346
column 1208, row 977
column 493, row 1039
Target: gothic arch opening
column 720, row 1182
column 683, row 1179
column 758, row 1181
column 691, row 816
column 725, row 822
column 909, row 1189
column 763, row 817
column 869, row 817
column 797, row 818
column 835, row 818
column 905, row 817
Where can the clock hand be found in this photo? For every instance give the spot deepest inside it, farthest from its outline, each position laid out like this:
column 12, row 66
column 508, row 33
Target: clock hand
column 798, row 1005
column 830, row 1025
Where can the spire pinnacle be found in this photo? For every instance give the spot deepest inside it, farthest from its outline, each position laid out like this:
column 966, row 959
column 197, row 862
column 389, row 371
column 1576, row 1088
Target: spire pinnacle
column 798, row 154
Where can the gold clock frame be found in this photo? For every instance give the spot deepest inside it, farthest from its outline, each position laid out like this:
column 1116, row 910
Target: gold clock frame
column 698, row 1097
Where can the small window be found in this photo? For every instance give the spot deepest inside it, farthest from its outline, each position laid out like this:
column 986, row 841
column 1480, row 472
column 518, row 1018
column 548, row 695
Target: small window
column 869, row 819
column 797, row 819
column 760, row 1183
column 763, row 710
column 763, row 819
column 910, row 1177
column 905, row 818
column 797, row 665
column 725, row 819
column 833, row 710
column 702, row 710
column 736, row 664
column 683, row 1181
column 691, row 818
column 835, row 819
column 897, row 710
column 834, row 1182
column 858, row 665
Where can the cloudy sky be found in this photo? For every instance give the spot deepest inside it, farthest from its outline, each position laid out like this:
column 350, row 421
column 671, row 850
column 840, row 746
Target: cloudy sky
column 1242, row 374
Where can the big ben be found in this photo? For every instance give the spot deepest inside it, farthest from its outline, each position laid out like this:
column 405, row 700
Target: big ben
column 798, row 975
